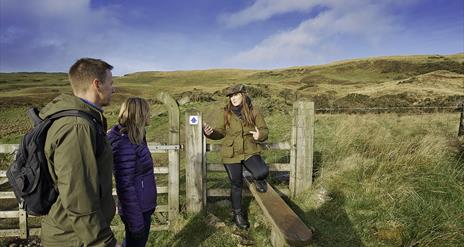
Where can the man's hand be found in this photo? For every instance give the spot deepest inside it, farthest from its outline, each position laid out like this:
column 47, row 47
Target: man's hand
column 207, row 129
column 255, row 133
column 117, row 245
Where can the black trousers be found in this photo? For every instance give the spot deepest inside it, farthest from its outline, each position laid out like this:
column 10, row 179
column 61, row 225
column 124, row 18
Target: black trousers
column 257, row 168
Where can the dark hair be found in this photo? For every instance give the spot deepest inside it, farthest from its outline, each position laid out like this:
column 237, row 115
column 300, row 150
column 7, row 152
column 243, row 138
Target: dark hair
column 84, row 70
column 247, row 111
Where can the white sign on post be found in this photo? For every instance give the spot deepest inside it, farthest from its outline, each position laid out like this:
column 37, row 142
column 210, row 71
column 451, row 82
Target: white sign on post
column 193, row 120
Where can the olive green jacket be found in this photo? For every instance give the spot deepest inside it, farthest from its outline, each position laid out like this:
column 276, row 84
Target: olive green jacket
column 238, row 143
column 85, row 207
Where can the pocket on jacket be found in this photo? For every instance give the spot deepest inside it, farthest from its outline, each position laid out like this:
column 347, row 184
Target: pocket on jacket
column 251, row 147
column 228, row 148
column 147, row 192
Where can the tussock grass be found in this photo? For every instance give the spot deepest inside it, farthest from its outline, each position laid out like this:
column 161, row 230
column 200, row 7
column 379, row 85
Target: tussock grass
column 391, row 181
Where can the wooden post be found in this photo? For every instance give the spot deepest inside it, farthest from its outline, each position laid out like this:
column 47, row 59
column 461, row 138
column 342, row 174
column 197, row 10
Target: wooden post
column 204, row 168
column 23, row 227
column 194, row 168
column 302, row 146
column 292, row 173
column 173, row 154
column 461, row 122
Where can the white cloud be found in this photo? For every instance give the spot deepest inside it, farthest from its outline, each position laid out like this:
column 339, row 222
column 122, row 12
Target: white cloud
column 59, row 32
column 262, row 10
column 359, row 22
column 48, row 35
column 265, row 9
column 46, row 8
column 52, row 34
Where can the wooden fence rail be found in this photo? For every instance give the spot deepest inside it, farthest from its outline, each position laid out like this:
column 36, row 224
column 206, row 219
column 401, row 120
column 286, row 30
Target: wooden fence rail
column 24, row 230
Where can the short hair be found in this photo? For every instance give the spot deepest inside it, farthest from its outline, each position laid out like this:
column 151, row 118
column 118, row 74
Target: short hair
column 133, row 117
column 85, row 70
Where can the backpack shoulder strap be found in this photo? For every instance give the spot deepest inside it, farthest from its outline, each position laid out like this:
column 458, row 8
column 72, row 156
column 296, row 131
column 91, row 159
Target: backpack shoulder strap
column 77, row 113
column 98, row 124
column 33, row 114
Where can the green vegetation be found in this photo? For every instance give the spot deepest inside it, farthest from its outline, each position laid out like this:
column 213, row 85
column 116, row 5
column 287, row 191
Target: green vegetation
column 397, row 180
column 392, row 179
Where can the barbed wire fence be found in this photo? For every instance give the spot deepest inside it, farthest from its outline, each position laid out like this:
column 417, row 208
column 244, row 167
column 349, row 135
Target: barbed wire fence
column 420, row 119
column 442, row 120
column 391, row 109
column 461, row 122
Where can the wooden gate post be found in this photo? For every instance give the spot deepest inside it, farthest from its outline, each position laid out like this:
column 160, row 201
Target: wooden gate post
column 301, row 152
column 195, row 168
column 173, row 154
column 461, row 121
column 23, row 226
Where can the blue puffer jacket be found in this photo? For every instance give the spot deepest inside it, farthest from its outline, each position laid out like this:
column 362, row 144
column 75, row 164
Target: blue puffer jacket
column 135, row 181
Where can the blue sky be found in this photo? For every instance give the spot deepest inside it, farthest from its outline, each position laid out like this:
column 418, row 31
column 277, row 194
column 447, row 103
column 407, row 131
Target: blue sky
column 147, row 35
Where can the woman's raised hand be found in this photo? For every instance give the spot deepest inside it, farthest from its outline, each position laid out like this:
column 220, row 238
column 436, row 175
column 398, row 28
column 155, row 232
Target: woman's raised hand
column 207, row 129
column 255, row 133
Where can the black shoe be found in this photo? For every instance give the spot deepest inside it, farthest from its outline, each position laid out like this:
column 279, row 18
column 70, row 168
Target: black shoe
column 261, row 185
column 240, row 220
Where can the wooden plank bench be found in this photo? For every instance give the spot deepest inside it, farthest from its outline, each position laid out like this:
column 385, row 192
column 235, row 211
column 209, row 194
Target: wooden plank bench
column 287, row 228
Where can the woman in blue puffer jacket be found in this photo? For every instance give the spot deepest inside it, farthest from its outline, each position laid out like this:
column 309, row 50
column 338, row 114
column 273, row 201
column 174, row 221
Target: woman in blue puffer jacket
column 133, row 170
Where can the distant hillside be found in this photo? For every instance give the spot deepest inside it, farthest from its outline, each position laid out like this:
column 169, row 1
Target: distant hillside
column 428, row 80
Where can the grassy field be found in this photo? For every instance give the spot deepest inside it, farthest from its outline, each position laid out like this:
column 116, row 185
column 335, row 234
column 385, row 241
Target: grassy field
column 394, row 179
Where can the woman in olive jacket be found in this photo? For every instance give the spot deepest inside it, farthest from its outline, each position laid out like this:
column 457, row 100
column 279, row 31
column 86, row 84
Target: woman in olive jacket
column 242, row 126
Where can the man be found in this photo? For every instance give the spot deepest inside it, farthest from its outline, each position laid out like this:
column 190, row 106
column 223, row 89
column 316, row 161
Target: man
column 80, row 161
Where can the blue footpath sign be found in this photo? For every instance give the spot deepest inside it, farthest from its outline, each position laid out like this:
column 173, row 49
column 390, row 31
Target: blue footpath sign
column 193, row 120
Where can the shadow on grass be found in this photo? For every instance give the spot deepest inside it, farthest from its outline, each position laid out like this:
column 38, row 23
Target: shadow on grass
column 194, row 232
column 317, row 164
column 457, row 147
column 330, row 223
